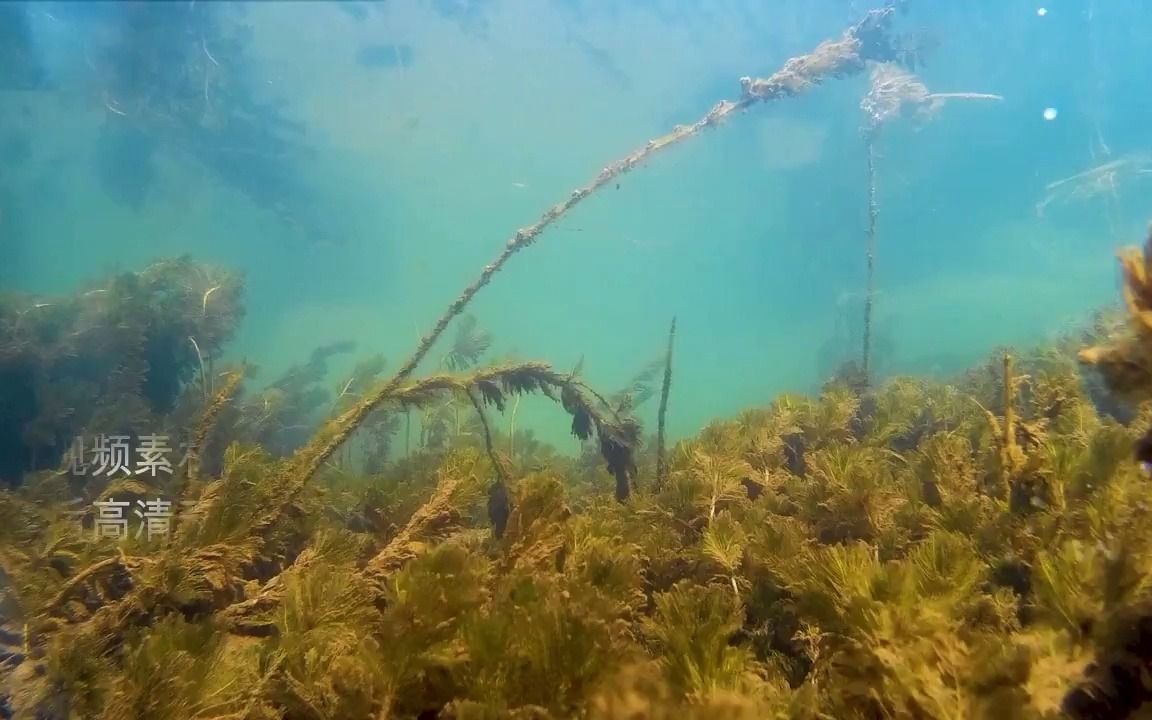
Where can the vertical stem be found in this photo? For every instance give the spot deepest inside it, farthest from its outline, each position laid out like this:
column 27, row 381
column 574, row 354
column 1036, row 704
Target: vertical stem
column 1009, row 404
column 203, row 372
column 497, row 466
column 512, row 429
column 870, row 288
column 661, row 465
column 407, row 432
column 1011, row 457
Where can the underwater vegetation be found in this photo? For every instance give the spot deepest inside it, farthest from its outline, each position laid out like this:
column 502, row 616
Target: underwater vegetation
column 906, row 548
column 976, row 548
column 893, row 93
column 1103, row 180
column 113, row 358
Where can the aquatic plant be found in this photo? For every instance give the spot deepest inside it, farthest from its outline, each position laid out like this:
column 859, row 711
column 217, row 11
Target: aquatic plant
column 976, row 548
column 665, row 389
column 1125, row 361
column 111, row 359
column 893, row 93
column 1103, row 179
column 935, row 552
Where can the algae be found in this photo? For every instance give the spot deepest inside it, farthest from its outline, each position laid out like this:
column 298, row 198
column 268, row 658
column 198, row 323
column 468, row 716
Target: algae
column 909, row 548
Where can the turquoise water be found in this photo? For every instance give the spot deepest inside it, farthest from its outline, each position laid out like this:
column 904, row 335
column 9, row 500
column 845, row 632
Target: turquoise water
column 432, row 130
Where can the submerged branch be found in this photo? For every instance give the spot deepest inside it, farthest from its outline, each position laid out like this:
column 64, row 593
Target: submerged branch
column 868, row 40
column 894, row 91
column 964, row 96
column 661, row 460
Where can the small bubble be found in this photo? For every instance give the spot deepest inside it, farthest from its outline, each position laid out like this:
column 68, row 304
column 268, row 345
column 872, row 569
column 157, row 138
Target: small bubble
column 1050, row 113
column 1042, row 11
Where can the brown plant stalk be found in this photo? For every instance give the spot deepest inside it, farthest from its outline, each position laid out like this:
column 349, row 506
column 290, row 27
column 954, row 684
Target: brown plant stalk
column 892, row 94
column 665, row 388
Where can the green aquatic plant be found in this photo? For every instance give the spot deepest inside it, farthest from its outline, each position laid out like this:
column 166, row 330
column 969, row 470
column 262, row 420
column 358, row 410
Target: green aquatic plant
column 469, row 345
column 843, row 588
column 690, row 632
column 112, row 359
column 1102, row 180
column 281, row 416
column 1125, row 363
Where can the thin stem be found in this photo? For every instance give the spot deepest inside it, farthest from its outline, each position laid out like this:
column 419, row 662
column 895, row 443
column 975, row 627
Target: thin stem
column 203, row 372
column 497, row 466
column 870, row 289
column 661, row 462
column 963, row 96
column 512, row 428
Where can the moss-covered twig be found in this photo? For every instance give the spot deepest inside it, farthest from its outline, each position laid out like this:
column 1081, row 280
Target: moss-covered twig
column 204, row 427
column 1009, row 455
column 892, row 92
column 665, row 388
column 870, row 253
column 590, row 412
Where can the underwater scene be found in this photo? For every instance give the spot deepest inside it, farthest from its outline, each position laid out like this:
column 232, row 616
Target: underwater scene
column 493, row 360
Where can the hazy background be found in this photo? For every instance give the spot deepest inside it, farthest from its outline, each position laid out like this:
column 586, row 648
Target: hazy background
column 435, row 129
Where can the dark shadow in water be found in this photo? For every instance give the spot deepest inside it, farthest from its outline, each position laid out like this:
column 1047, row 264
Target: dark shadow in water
column 385, row 56
column 180, row 78
column 602, row 61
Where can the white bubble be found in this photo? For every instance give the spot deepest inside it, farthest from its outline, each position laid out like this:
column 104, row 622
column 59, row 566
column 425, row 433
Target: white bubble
column 1050, row 113
column 1042, row 11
